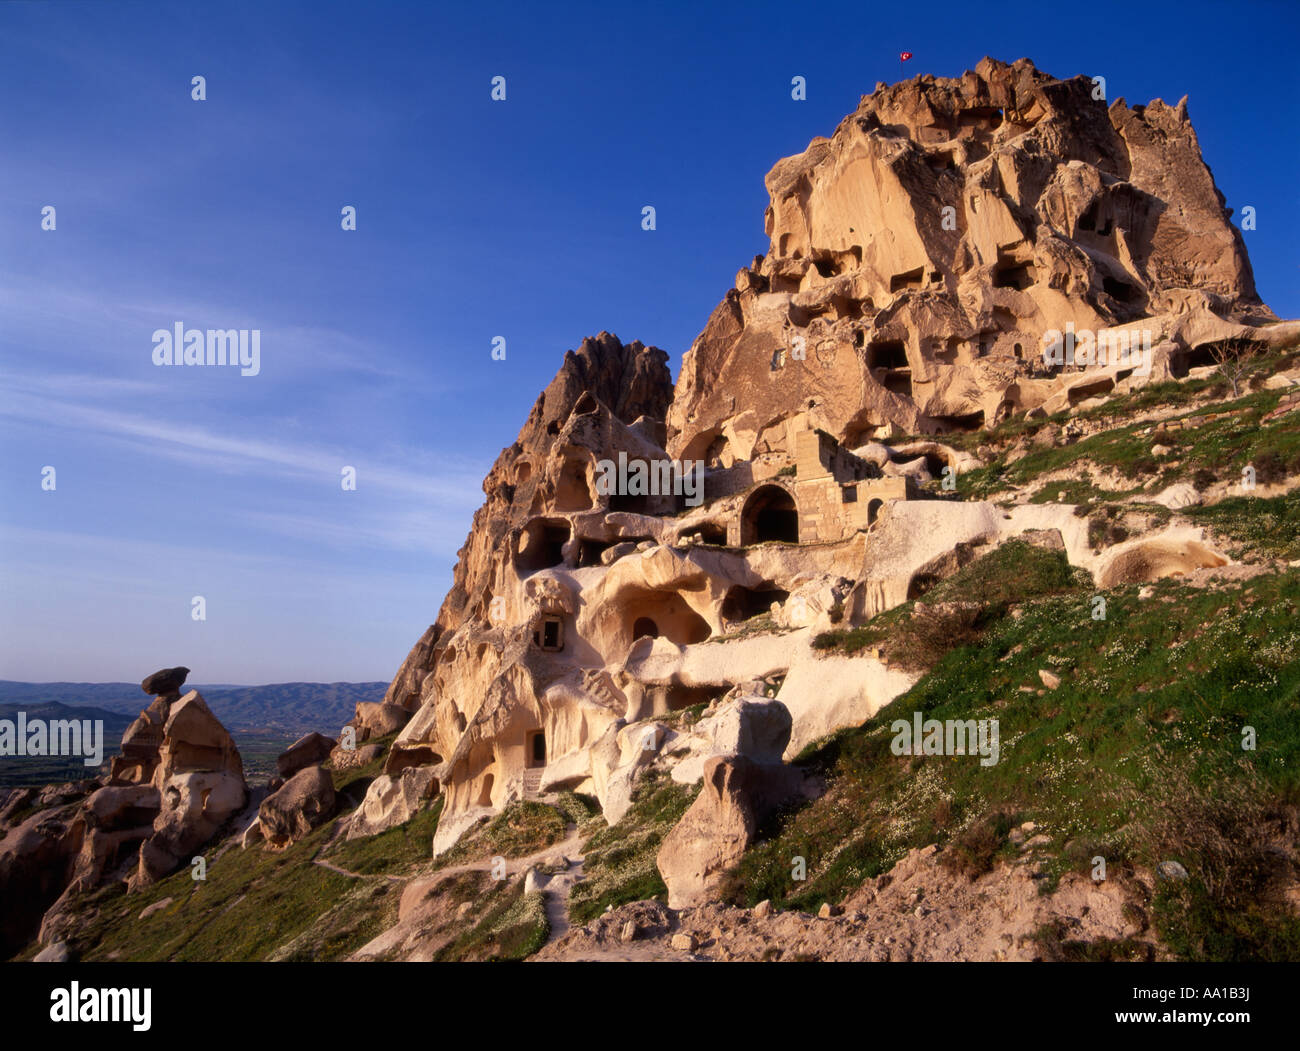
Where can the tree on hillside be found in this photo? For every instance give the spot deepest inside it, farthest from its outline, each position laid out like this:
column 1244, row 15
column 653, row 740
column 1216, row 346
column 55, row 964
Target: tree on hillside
column 1232, row 357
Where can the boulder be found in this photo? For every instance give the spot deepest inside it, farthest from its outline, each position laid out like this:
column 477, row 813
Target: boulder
column 348, row 758
column 306, row 801
column 1178, row 496
column 200, row 780
column 310, row 750
column 56, row 952
column 393, row 800
column 717, row 828
column 165, row 683
column 753, row 726
column 379, row 720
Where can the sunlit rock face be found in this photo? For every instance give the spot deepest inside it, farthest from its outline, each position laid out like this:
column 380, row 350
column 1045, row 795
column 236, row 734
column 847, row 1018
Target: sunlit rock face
column 922, row 261
column 920, row 254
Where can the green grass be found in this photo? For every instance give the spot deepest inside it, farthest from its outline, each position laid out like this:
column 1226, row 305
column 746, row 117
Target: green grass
column 252, row 902
column 257, row 904
column 915, row 636
column 576, row 807
column 1146, row 725
column 521, row 829
column 395, row 850
column 1214, row 449
column 620, row 859
column 1256, row 526
column 512, row 927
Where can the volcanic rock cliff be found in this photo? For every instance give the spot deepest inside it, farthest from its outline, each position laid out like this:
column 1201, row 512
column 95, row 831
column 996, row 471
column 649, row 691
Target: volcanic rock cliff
column 921, row 260
column 920, row 253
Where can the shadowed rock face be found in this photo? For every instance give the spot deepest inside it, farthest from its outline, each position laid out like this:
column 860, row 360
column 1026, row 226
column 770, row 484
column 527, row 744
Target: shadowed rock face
column 178, row 781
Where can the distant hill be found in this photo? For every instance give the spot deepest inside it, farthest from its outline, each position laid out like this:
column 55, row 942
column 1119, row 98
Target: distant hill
column 43, row 770
column 289, row 708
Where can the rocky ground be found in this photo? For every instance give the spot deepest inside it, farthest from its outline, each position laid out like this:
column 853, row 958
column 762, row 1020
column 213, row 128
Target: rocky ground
column 918, row 911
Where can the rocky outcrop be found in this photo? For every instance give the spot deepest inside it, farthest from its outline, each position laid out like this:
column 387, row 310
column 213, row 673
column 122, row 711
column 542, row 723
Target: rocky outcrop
column 919, row 256
column 178, row 781
column 719, row 826
column 919, row 262
column 305, row 801
column 309, row 750
column 379, row 720
column 393, row 800
column 36, row 864
column 200, row 781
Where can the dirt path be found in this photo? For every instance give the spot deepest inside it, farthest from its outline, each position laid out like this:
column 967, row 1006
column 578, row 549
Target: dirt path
column 568, row 846
column 402, row 940
column 357, row 875
column 558, row 888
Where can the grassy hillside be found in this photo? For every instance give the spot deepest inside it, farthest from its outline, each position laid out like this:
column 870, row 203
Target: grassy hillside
column 1137, row 757
column 259, row 905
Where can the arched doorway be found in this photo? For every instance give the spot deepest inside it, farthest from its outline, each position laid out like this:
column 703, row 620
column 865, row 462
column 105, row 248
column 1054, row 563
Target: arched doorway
column 770, row 514
column 873, row 510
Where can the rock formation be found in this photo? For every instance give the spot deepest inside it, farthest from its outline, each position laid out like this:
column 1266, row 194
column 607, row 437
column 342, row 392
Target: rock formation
column 309, row 750
column 305, row 801
column 922, row 262
column 200, row 782
column 177, row 782
column 920, row 255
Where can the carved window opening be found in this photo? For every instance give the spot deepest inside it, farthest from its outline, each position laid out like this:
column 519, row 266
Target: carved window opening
column 549, row 634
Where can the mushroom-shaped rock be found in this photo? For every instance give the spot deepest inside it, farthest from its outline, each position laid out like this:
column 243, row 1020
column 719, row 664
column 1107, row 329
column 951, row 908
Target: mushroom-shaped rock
column 165, row 683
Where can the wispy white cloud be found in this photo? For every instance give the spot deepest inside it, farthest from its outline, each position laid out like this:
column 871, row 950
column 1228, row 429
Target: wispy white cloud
column 62, row 319
column 438, row 530
column 455, row 483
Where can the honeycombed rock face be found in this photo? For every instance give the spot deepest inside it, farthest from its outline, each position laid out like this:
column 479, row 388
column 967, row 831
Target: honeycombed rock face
column 623, row 384
column 918, row 258
column 920, row 254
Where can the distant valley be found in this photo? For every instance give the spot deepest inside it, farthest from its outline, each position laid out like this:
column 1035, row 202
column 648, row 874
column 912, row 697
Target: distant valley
column 262, row 719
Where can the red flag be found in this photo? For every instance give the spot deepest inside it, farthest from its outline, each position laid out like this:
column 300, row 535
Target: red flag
column 903, row 56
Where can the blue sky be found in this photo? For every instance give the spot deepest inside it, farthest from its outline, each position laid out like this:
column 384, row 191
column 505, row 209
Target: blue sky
column 476, row 219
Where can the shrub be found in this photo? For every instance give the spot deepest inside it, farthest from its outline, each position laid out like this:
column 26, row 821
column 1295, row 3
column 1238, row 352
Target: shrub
column 973, row 852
